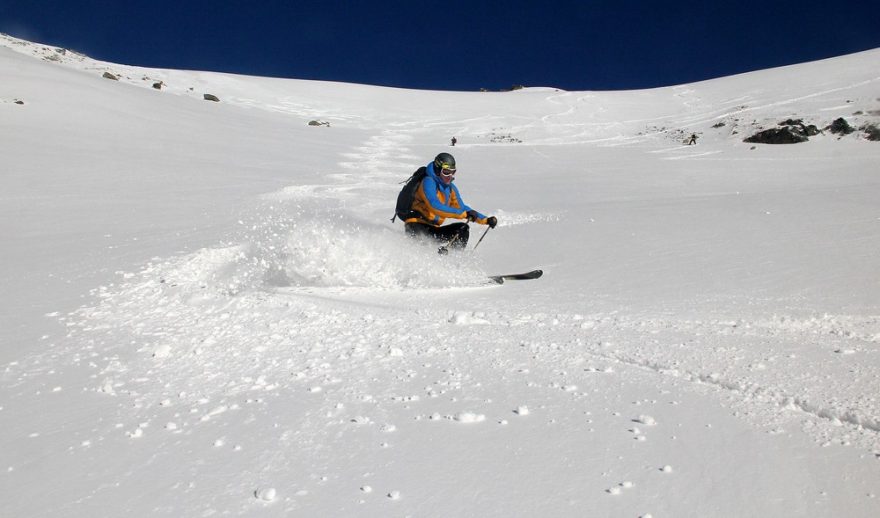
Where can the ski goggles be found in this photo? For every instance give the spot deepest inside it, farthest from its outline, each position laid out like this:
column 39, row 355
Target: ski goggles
column 445, row 170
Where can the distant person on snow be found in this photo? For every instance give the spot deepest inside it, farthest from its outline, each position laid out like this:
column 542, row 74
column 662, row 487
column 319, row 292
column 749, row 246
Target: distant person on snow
column 693, row 139
column 436, row 199
column 454, row 140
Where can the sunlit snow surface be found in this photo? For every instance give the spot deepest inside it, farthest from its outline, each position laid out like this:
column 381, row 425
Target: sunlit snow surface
column 207, row 311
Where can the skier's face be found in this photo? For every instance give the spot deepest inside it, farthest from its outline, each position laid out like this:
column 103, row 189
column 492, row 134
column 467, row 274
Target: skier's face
column 447, row 175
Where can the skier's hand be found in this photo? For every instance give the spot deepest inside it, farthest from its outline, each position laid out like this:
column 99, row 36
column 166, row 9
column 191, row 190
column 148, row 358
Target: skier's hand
column 472, row 215
column 492, row 221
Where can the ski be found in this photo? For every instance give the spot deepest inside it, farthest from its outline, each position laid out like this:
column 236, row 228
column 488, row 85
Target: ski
column 534, row 274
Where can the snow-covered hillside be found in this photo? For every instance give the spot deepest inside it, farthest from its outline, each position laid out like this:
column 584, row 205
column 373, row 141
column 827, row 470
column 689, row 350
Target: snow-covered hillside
column 206, row 310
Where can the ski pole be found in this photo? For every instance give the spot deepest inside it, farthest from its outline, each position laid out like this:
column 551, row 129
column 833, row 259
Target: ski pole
column 481, row 238
column 443, row 250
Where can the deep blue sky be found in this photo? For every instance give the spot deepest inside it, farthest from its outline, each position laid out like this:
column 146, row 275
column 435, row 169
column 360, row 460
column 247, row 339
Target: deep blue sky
column 452, row 44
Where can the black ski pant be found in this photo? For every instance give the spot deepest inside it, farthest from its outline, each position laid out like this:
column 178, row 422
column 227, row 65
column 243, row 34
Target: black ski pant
column 454, row 236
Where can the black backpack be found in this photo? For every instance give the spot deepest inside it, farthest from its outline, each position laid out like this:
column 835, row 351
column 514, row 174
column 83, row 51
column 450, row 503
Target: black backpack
column 408, row 195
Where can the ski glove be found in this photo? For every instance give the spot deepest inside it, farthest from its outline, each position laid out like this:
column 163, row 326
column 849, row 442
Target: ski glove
column 492, row 221
column 472, row 215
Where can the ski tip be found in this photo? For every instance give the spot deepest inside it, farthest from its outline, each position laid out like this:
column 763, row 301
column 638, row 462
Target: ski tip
column 534, row 274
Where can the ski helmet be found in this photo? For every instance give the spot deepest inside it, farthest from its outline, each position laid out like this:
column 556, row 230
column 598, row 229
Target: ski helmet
column 444, row 161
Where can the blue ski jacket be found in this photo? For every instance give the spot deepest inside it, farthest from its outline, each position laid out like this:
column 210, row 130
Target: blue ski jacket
column 435, row 201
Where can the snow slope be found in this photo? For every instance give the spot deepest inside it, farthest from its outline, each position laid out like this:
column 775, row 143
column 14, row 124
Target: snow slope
column 207, row 312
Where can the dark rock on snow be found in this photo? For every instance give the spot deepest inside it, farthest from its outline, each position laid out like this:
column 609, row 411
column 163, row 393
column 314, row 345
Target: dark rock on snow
column 791, row 131
column 840, row 127
column 784, row 135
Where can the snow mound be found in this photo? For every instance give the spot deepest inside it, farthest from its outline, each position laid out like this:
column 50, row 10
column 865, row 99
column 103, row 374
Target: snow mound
column 275, row 250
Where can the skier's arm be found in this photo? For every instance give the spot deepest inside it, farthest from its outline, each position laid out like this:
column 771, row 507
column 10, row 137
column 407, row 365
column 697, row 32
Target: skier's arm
column 481, row 219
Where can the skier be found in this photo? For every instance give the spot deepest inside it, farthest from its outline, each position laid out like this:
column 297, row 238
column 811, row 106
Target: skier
column 437, row 199
column 693, row 139
column 454, row 141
